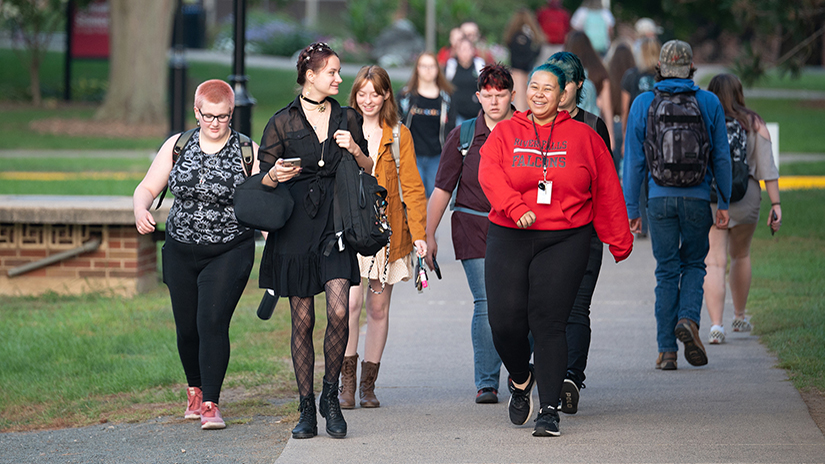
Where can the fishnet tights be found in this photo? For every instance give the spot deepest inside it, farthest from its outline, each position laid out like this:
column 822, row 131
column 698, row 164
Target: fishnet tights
column 335, row 337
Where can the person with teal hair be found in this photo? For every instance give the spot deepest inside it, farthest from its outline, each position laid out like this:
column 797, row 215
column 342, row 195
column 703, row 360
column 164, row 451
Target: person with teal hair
column 550, row 182
column 578, row 325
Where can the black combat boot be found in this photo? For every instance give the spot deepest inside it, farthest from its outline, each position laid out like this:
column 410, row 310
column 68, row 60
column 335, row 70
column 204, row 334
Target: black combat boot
column 308, row 423
column 331, row 410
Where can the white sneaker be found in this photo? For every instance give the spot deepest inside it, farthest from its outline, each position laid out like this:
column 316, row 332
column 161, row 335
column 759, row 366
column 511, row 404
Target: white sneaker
column 741, row 325
column 717, row 335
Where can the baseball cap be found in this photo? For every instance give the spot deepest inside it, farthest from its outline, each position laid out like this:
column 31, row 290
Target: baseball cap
column 646, row 26
column 675, row 59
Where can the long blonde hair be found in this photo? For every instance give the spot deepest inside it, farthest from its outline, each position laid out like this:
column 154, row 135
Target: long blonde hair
column 382, row 84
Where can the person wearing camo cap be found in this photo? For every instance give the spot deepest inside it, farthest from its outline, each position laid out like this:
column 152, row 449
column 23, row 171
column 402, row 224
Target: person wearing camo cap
column 679, row 213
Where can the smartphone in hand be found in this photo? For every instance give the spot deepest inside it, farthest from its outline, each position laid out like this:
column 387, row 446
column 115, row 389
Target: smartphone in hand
column 773, row 219
column 292, row 162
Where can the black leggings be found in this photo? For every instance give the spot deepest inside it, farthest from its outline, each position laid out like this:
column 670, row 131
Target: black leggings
column 205, row 283
column 532, row 278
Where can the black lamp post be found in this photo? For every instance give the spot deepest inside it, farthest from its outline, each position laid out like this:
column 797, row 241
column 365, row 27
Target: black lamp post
column 242, row 116
column 177, row 76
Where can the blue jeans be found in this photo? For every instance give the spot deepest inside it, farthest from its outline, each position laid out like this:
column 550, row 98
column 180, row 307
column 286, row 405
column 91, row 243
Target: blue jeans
column 427, row 167
column 487, row 364
column 679, row 230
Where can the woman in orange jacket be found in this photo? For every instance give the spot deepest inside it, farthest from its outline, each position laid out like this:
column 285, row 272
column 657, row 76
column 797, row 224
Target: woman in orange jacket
column 373, row 98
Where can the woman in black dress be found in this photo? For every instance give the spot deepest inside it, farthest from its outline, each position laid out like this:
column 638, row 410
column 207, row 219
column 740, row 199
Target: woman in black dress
column 294, row 262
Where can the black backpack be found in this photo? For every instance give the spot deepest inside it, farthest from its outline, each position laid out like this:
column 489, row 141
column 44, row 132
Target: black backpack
column 677, row 145
column 737, row 139
column 359, row 207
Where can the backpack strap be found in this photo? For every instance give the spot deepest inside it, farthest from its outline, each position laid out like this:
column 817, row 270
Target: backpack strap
column 396, row 156
column 183, row 139
column 590, row 119
column 246, row 153
column 466, row 134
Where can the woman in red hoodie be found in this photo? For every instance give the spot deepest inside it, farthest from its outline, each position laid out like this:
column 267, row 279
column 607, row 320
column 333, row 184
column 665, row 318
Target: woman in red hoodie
column 550, row 181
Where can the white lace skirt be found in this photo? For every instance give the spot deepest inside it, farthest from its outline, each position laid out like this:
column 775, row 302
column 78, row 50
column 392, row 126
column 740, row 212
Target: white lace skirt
column 398, row 270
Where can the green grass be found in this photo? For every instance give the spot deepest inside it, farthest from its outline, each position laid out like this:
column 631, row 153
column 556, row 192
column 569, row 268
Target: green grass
column 814, row 168
column 805, row 81
column 75, row 360
column 799, row 123
column 788, row 290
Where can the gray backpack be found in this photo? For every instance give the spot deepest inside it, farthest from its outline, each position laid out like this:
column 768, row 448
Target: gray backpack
column 677, row 145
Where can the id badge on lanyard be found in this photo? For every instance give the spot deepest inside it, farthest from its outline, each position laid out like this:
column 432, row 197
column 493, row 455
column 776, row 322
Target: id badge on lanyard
column 544, row 192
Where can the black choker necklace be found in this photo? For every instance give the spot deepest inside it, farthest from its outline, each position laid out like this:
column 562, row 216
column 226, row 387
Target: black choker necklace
column 320, row 104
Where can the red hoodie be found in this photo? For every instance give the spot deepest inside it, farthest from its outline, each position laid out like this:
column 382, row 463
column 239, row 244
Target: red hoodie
column 585, row 185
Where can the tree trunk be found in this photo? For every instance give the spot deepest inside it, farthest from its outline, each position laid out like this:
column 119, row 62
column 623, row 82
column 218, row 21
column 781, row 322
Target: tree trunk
column 140, row 36
column 34, row 78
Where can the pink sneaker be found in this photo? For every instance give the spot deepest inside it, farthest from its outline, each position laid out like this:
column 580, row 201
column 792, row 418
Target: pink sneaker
column 211, row 417
column 194, row 401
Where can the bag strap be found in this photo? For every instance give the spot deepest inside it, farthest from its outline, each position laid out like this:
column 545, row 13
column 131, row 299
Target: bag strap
column 465, row 139
column 246, row 153
column 183, row 139
column 338, row 220
column 396, row 156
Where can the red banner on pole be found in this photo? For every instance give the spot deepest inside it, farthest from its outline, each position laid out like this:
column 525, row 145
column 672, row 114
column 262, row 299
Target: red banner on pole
column 90, row 31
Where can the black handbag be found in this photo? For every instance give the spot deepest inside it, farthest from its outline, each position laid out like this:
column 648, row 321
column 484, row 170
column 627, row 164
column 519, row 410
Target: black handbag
column 262, row 207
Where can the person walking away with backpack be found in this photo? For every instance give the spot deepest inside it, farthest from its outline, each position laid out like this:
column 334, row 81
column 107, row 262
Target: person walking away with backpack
column 523, row 37
column 555, row 22
column 207, row 255
column 550, row 181
column 676, row 144
column 596, row 22
column 391, row 149
column 578, row 324
column 426, row 108
column 458, row 176
column 462, row 72
column 753, row 161
column 294, row 264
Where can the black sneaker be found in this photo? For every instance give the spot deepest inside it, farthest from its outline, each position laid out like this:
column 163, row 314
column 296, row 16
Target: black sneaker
column 547, row 423
column 521, row 401
column 569, row 397
column 487, row 395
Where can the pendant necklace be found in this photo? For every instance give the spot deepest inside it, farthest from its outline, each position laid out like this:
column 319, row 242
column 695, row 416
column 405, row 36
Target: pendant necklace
column 323, row 147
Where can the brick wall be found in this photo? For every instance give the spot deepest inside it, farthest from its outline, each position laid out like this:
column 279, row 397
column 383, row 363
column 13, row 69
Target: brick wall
column 125, row 263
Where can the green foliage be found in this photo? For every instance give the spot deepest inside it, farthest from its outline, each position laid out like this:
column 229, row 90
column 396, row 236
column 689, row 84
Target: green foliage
column 366, row 18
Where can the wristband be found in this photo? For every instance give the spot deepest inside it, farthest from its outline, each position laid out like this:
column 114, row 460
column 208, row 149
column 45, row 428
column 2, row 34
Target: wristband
column 775, row 204
column 269, row 174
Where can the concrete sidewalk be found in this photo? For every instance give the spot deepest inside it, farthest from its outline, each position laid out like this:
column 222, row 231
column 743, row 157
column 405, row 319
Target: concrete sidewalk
column 738, row 408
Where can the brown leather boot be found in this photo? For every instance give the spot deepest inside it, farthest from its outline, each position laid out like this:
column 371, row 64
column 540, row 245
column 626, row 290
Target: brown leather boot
column 369, row 372
column 347, row 395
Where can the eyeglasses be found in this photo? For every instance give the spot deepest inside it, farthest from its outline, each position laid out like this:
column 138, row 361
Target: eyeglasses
column 208, row 118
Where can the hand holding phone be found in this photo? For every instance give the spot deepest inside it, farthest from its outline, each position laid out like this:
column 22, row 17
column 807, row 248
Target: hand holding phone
column 292, row 162
column 773, row 220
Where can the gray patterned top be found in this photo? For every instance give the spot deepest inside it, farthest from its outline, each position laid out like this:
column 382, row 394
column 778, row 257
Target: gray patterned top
column 204, row 186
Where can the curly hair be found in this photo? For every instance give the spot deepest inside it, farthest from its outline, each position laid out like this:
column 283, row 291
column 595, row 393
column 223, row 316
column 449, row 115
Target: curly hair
column 495, row 75
column 313, row 57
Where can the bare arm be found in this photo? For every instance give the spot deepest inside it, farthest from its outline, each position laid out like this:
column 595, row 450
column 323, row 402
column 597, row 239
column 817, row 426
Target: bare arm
column 152, row 184
column 439, row 200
